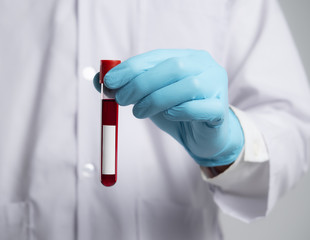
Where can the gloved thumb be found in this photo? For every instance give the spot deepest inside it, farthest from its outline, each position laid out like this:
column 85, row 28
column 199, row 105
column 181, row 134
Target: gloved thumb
column 96, row 82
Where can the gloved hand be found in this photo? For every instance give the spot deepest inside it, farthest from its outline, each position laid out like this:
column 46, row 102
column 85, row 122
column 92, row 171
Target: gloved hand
column 184, row 92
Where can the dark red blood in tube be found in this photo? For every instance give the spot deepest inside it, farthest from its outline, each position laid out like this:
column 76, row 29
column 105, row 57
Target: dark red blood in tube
column 109, row 117
column 109, row 112
column 108, row 180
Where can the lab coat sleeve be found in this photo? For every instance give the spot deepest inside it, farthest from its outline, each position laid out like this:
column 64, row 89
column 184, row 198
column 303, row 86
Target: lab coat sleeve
column 270, row 93
column 241, row 191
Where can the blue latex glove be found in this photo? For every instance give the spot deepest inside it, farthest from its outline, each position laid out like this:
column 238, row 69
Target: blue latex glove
column 184, row 92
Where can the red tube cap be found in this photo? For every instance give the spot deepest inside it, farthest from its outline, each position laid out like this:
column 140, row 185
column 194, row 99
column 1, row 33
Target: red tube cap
column 105, row 66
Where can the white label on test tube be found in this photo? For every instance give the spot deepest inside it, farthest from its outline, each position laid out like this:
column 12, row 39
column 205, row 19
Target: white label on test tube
column 108, row 149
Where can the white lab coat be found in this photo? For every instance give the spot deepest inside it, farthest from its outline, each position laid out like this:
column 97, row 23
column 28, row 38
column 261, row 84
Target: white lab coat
column 50, row 119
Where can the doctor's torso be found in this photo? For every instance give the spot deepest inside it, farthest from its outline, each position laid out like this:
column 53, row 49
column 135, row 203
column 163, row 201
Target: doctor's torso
column 50, row 145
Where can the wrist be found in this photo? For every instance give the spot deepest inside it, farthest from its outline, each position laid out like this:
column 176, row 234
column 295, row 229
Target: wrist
column 230, row 152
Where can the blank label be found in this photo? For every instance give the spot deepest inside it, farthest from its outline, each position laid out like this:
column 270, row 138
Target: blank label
column 108, row 149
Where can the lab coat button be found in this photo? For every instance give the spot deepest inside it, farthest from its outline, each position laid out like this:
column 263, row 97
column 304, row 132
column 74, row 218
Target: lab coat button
column 88, row 170
column 88, row 73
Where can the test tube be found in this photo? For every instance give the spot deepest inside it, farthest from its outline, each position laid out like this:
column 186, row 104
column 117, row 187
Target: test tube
column 109, row 127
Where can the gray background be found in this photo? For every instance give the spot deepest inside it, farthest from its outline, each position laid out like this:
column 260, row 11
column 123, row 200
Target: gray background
column 290, row 219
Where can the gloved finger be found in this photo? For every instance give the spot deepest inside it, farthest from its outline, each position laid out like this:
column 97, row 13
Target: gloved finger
column 187, row 89
column 161, row 75
column 210, row 110
column 129, row 69
column 96, row 82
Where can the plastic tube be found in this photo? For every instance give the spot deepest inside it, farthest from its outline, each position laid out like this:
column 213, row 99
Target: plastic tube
column 109, row 127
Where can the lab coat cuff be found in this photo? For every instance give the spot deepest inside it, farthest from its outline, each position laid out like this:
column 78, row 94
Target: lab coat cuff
column 242, row 190
column 254, row 150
